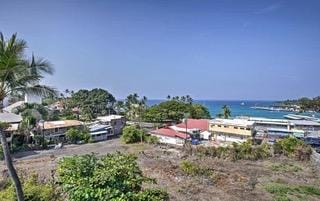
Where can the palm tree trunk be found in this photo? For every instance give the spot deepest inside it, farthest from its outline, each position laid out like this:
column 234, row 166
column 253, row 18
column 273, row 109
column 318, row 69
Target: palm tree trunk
column 10, row 167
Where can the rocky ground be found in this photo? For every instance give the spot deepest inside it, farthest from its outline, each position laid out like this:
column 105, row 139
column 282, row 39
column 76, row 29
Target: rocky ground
column 221, row 179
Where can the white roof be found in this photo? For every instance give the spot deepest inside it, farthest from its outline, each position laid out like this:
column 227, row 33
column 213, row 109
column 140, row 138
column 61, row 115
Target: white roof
column 10, row 118
column 282, row 121
column 109, row 117
column 233, row 122
column 9, row 108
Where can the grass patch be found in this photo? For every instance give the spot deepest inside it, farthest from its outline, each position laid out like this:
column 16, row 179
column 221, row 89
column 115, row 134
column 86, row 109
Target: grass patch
column 283, row 167
column 284, row 192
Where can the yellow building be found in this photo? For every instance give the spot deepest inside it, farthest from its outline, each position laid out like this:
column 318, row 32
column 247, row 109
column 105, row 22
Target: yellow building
column 234, row 130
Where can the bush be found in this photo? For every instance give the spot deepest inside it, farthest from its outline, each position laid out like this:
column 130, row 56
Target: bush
column 33, row 190
column 110, row 177
column 78, row 134
column 151, row 139
column 293, row 147
column 132, row 134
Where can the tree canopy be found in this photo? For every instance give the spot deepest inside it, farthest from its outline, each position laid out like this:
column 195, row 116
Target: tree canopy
column 93, row 103
column 175, row 110
column 111, row 177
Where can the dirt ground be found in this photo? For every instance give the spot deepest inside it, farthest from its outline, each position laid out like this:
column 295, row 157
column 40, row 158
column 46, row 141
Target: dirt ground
column 240, row 180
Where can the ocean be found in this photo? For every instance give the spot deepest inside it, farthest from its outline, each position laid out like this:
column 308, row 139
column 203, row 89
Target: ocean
column 237, row 109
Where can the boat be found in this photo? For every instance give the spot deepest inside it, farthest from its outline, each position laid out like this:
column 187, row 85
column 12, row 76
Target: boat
column 242, row 103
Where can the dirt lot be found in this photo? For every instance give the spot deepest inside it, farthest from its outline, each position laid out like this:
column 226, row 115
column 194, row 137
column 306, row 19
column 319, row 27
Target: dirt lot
column 241, row 180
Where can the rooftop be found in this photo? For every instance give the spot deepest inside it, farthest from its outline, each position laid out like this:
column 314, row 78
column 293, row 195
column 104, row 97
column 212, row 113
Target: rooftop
column 10, row 118
column 169, row 133
column 233, row 122
column 61, row 124
column 202, row 124
column 109, row 117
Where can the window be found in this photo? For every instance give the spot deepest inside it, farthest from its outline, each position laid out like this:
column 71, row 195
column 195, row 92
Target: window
column 219, row 125
column 225, row 126
column 235, row 127
column 248, row 129
column 242, row 128
column 56, row 130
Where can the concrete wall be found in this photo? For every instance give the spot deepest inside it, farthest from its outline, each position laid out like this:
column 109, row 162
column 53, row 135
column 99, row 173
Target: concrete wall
column 169, row 140
column 231, row 130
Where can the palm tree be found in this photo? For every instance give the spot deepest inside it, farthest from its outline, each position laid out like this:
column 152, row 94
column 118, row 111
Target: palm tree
column 226, row 112
column 18, row 75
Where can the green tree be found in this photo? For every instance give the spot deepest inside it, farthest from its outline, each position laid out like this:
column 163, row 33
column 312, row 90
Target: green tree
column 19, row 75
column 111, row 177
column 132, row 134
column 226, row 112
column 174, row 110
column 93, row 103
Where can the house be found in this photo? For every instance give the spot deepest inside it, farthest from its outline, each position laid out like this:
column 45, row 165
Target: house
column 232, row 130
column 117, row 122
column 55, row 130
column 100, row 132
column 180, row 133
column 197, row 125
column 170, row 136
column 14, row 121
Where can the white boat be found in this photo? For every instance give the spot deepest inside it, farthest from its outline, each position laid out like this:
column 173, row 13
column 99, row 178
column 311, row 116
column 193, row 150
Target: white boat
column 242, row 103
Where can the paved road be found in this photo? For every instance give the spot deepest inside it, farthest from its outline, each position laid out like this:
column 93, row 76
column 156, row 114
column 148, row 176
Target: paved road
column 69, row 150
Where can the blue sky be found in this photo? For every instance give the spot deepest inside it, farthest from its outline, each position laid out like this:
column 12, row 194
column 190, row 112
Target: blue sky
column 249, row 49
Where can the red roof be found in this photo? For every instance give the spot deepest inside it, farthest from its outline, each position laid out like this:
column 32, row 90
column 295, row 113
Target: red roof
column 170, row 133
column 202, row 124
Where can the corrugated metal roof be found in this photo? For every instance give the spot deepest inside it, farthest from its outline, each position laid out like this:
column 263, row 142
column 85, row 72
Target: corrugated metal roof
column 10, row 118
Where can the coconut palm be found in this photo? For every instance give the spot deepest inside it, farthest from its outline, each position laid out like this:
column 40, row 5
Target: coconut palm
column 226, row 112
column 18, row 75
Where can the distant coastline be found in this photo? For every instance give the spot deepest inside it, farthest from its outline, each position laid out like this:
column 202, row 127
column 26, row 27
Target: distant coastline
column 238, row 109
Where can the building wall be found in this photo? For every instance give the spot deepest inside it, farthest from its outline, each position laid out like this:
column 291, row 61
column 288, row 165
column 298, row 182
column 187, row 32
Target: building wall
column 99, row 137
column 29, row 98
column 169, row 140
column 117, row 125
column 236, row 130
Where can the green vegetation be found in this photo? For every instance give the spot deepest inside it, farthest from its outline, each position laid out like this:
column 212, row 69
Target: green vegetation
column 243, row 151
column 93, row 103
column 133, row 134
column 226, row 112
column 284, row 167
column 282, row 191
column 75, row 135
column 33, row 190
column 305, row 104
column 293, row 147
column 193, row 169
column 111, row 177
column 290, row 146
column 175, row 110
column 19, row 75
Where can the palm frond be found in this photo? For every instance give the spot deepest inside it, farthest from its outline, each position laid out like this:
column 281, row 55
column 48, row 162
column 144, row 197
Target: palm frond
column 39, row 90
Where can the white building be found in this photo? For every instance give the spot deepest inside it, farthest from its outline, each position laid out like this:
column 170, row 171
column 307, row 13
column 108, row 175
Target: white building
column 100, row 132
column 32, row 98
column 117, row 122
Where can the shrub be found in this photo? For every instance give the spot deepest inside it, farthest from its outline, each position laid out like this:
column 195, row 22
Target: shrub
column 151, row 139
column 194, row 169
column 111, row 177
column 132, row 134
column 293, row 147
column 33, row 190
column 77, row 134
